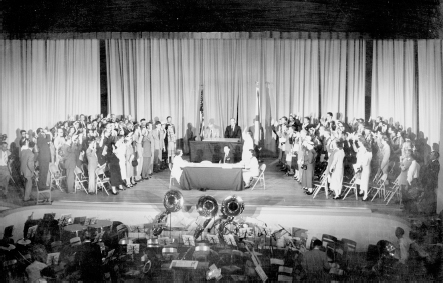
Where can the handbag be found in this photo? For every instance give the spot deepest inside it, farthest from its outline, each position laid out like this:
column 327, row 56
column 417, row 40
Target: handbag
column 134, row 163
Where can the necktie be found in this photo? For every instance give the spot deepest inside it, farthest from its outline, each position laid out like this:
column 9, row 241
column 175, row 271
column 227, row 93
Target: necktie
column 158, row 134
column 211, row 133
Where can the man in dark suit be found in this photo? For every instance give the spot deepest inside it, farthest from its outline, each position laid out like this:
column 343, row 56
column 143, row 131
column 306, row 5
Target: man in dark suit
column 70, row 158
column 158, row 139
column 233, row 131
column 44, row 157
column 228, row 157
column 27, row 167
column 23, row 138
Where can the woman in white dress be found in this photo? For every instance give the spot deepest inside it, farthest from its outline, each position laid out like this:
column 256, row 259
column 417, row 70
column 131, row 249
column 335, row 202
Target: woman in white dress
column 251, row 167
column 177, row 165
column 336, row 168
column 248, row 144
column 364, row 157
column 120, row 152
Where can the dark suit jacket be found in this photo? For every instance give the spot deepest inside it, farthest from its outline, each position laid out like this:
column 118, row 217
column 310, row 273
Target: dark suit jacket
column 233, row 133
column 229, row 159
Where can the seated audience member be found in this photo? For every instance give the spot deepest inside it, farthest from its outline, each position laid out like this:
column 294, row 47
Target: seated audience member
column 315, row 261
column 251, row 167
column 403, row 245
column 33, row 270
column 5, row 175
column 228, row 157
column 177, row 165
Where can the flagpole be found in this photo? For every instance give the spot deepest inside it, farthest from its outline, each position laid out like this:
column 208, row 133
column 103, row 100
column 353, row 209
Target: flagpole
column 257, row 113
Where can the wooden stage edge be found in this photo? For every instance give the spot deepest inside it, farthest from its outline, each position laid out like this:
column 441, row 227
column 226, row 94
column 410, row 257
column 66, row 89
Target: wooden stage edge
column 281, row 191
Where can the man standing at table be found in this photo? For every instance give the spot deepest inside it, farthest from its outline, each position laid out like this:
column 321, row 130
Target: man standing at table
column 233, row 131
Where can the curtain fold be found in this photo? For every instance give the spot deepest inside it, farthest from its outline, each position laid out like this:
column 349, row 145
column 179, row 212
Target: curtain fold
column 356, row 79
column 430, row 91
column 291, row 75
column 393, row 83
column 44, row 81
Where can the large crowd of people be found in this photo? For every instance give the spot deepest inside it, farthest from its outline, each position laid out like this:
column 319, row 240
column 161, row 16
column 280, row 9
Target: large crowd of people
column 132, row 151
column 362, row 149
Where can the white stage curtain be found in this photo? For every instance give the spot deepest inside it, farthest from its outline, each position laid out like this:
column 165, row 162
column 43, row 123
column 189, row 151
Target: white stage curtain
column 333, row 55
column 44, row 81
column 356, row 79
column 394, row 96
column 289, row 73
column 430, row 91
column 129, row 90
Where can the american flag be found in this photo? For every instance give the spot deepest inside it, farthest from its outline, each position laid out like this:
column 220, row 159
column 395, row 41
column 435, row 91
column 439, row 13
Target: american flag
column 202, row 117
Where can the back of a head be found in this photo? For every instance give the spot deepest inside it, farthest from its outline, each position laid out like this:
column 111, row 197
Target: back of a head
column 317, row 243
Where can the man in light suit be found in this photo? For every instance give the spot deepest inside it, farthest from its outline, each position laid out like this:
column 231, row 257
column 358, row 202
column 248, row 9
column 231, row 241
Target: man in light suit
column 233, row 131
column 158, row 139
column 27, row 166
column 211, row 131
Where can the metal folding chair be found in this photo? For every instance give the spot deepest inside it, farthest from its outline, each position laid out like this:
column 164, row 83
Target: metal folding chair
column 352, row 186
column 101, row 181
column 261, row 177
column 323, row 184
column 56, row 176
column 393, row 191
column 80, row 180
column 379, row 187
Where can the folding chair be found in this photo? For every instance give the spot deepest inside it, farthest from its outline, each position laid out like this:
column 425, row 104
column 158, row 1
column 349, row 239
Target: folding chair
column 352, row 186
column 379, row 187
column 323, row 184
column 101, row 181
column 391, row 192
column 80, row 180
column 56, row 176
column 261, row 177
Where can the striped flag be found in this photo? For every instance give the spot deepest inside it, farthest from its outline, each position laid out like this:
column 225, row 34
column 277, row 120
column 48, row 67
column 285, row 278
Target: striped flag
column 257, row 115
column 202, row 117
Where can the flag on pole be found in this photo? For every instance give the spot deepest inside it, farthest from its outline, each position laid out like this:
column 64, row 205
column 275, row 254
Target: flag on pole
column 202, row 117
column 257, row 115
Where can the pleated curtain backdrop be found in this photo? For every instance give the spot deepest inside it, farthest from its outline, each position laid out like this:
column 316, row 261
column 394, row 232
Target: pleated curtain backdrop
column 290, row 74
column 44, row 81
column 394, row 96
column 356, row 79
column 430, row 91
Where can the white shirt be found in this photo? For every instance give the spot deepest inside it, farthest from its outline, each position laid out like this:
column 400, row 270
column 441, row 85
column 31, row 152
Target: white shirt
column 4, row 158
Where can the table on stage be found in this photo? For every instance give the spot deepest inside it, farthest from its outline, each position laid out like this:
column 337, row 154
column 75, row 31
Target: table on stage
column 212, row 149
column 212, row 176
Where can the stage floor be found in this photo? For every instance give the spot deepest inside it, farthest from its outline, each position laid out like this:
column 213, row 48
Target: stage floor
column 280, row 190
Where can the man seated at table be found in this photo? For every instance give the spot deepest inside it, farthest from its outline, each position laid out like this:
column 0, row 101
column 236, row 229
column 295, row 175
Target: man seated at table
column 233, row 131
column 228, row 157
column 177, row 165
column 251, row 170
